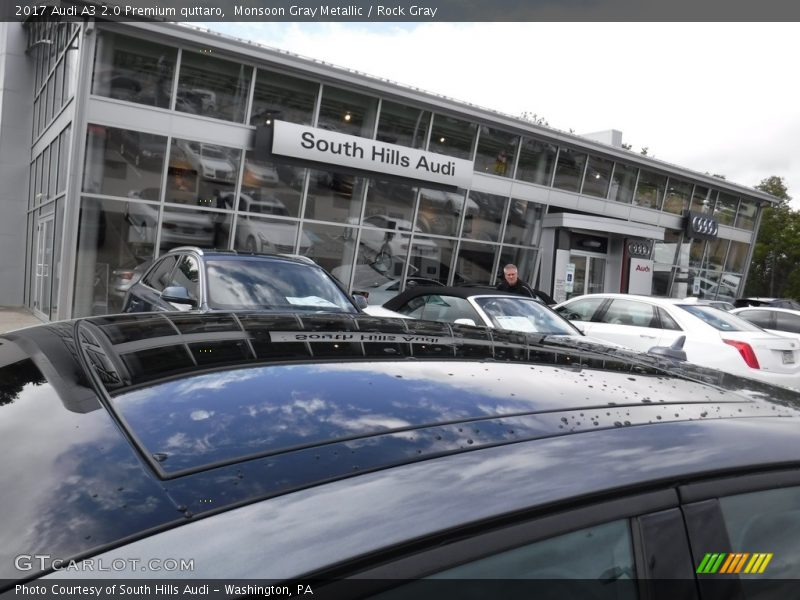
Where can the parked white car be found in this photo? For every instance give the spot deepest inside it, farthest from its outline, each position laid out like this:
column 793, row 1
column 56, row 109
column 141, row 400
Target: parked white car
column 394, row 243
column 714, row 338
column 254, row 233
column 780, row 321
column 209, row 160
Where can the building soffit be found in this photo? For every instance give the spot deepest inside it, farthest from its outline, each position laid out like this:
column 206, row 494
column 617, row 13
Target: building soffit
column 595, row 224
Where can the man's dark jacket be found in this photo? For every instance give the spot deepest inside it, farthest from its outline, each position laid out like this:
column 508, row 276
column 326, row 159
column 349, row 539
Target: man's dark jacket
column 521, row 288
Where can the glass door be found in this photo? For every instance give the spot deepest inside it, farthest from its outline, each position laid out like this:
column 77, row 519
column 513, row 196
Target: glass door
column 590, row 272
column 44, row 266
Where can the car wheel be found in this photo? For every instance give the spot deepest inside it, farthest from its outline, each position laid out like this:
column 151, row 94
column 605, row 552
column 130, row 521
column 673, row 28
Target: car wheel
column 250, row 244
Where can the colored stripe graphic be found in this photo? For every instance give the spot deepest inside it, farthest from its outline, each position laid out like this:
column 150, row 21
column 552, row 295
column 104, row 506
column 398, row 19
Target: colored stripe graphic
column 724, row 563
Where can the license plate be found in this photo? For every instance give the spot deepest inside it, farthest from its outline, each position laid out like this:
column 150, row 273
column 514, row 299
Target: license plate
column 788, row 357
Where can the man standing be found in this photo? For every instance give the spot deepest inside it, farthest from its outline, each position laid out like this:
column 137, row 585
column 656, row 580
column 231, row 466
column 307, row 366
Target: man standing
column 512, row 284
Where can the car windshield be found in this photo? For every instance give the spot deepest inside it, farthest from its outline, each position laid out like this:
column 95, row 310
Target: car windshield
column 273, row 285
column 719, row 319
column 524, row 314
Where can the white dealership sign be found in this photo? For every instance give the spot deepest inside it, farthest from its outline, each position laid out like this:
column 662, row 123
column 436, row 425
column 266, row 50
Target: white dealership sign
column 640, row 280
column 329, row 147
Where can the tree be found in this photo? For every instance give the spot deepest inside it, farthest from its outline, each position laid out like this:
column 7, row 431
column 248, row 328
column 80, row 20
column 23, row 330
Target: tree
column 776, row 254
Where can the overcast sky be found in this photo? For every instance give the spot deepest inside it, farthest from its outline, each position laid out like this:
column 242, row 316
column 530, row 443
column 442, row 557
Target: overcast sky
column 713, row 97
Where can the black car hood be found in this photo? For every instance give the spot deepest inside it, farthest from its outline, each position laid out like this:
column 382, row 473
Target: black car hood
column 112, row 427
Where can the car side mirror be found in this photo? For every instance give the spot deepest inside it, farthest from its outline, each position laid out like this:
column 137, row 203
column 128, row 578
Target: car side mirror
column 675, row 351
column 464, row 322
column 177, row 294
column 361, row 301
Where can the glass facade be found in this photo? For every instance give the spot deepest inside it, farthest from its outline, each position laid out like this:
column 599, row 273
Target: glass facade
column 143, row 193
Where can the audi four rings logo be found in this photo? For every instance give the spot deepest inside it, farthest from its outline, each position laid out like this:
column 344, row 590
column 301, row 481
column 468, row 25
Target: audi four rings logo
column 701, row 226
column 639, row 249
column 704, row 225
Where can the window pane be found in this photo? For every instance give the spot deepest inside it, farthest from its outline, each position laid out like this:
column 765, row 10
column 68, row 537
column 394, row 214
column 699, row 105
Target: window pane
column 158, row 277
column 190, row 227
column 650, row 190
column 524, row 224
column 536, row 161
column 485, row 225
column 717, row 250
column 262, row 234
column 391, row 200
column 598, row 173
column 756, row 317
column 678, row 196
column 453, row 137
column 347, row 112
column 384, row 243
column 569, row 170
column 277, row 184
column 213, row 87
column 331, row 247
column 725, row 209
column 703, row 199
column 282, row 97
column 475, row 263
column 496, row 152
column 788, row 322
column 746, row 217
column 199, row 173
column 133, row 69
column 122, row 162
column 623, row 183
column 334, row 197
column 736, row 257
column 187, row 275
column 403, row 125
column 440, row 212
column 431, row 258
column 628, row 312
column 593, row 553
column 766, row 521
column 111, row 243
column 63, row 152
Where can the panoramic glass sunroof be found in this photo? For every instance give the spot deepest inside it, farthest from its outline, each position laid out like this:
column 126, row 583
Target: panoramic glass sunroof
column 213, row 418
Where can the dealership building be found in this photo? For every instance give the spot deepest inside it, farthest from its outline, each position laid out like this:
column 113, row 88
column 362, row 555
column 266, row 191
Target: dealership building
column 120, row 141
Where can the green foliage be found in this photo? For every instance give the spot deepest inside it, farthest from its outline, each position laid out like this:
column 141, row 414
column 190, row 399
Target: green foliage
column 774, row 269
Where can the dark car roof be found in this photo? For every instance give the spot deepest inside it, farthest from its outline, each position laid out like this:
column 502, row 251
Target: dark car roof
column 240, row 254
column 774, row 302
column 458, row 292
column 115, row 427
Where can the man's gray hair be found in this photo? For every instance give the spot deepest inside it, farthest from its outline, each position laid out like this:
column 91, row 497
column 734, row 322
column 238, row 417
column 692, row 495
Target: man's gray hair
column 510, row 267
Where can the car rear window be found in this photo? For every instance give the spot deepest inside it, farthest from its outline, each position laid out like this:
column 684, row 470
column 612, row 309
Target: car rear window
column 719, row 319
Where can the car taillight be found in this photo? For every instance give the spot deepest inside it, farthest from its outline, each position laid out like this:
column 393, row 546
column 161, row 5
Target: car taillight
column 746, row 351
column 125, row 274
column 168, row 225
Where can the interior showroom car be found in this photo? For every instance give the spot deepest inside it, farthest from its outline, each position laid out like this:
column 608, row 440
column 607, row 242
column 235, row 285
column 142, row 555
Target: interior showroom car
column 713, row 338
column 388, row 454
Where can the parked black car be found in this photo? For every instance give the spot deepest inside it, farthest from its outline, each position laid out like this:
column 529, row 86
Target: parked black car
column 318, row 448
column 188, row 278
